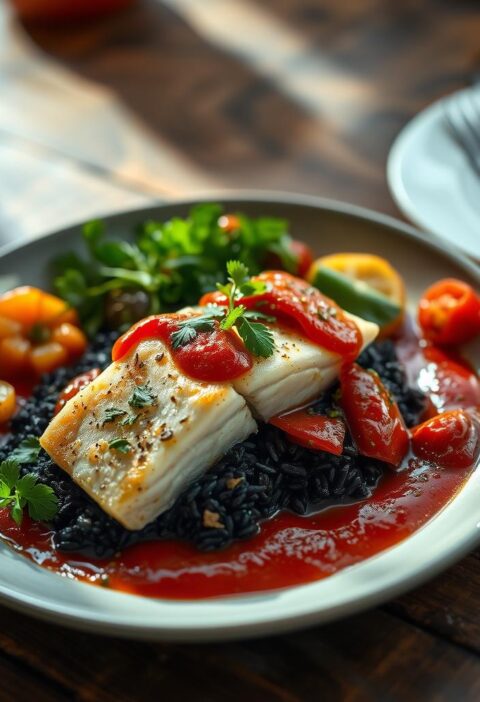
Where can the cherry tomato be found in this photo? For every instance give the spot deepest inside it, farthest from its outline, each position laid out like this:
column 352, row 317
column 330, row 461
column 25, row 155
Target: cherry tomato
column 74, row 386
column 314, row 431
column 302, row 254
column 372, row 415
column 449, row 313
column 450, row 440
column 8, row 399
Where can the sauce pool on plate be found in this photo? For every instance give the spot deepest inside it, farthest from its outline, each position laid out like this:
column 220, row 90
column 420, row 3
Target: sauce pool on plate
column 290, row 549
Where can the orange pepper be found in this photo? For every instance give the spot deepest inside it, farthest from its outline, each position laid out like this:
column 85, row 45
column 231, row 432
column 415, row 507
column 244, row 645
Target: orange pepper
column 38, row 332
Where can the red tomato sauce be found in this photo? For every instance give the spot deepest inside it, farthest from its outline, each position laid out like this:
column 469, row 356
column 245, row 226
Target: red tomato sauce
column 289, row 550
column 214, row 356
column 298, row 305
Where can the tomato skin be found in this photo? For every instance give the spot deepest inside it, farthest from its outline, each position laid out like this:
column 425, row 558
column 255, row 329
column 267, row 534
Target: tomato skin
column 314, row 431
column 450, row 440
column 214, row 356
column 74, row 387
column 449, row 313
column 372, row 416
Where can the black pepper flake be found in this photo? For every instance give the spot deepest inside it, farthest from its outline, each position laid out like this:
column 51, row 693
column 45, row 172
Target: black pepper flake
column 166, row 435
column 159, row 357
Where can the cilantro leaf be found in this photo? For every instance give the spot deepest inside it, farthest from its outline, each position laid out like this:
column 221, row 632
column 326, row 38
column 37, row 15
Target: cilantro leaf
column 253, row 287
column 112, row 413
column 257, row 337
column 40, row 499
column 233, row 315
column 121, row 445
column 184, row 335
column 189, row 328
column 142, row 396
column 237, row 271
column 27, row 451
column 9, row 473
column 18, row 493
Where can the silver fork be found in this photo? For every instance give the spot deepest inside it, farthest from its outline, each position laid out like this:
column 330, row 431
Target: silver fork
column 462, row 114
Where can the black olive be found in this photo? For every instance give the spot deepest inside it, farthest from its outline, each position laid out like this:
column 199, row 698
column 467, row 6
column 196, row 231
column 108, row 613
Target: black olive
column 124, row 307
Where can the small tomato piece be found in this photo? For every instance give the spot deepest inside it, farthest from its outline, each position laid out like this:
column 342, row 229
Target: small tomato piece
column 7, row 401
column 304, row 256
column 314, row 431
column 449, row 313
column 450, row 440
column 229, row 223
column 71, row 338
column 74, row 387
column 373, row 416
column 14, row 356
column 46, row 357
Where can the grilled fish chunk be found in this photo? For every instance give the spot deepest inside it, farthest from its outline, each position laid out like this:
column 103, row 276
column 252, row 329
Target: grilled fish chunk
column 297, row 372
column 183, row 427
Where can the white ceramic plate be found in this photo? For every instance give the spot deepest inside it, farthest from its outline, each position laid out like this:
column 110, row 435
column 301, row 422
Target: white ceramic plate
column 328, row 227
column 433, row 182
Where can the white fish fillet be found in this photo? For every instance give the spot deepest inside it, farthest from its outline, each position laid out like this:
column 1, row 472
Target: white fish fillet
column 297, row 372
column 190, row 426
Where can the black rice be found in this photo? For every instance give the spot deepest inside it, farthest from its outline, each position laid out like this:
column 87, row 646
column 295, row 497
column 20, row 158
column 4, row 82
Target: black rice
column 252, row 482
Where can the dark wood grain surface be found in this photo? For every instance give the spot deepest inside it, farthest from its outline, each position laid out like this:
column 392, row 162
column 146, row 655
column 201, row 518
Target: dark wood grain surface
column 308, row 99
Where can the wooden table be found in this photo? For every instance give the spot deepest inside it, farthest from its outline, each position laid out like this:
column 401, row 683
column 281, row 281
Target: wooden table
column 299, row 95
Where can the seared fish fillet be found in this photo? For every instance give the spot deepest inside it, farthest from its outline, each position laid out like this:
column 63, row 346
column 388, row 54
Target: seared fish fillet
column 183, row 428
column 297, row 372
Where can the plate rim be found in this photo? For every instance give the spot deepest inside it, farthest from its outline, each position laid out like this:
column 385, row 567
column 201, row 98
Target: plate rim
column 431, row 113
column 276, row 624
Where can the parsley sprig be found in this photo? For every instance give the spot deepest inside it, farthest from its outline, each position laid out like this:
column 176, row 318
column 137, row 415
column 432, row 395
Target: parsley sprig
column 18, row 492
column 172, row 263
column 257, row 337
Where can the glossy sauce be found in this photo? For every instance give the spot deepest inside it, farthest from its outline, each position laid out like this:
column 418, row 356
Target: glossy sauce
column 215, row 356
column 290, row 549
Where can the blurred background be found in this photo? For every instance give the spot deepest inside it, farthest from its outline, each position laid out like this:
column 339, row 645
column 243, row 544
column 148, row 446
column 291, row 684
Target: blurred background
column 108, row 104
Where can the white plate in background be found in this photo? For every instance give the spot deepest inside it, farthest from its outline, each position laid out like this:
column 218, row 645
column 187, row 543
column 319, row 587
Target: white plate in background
column 432, row 181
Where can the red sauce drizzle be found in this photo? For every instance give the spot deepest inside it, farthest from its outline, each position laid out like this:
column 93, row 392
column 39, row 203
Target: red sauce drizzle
column 214, row 356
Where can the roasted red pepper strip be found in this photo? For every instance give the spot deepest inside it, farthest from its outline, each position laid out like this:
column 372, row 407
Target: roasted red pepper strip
column 313, row 431
column 449, row 313
column 297, row 304
column 372, row 415
column 450, row 440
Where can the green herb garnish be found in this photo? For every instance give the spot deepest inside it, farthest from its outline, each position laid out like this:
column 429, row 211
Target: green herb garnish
column 256, row 336
column 27, row 451
column 18, row 493
column 173, row 262
column 129, row 420
column 112, row 413
column 121, row 445
column 142, row 396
